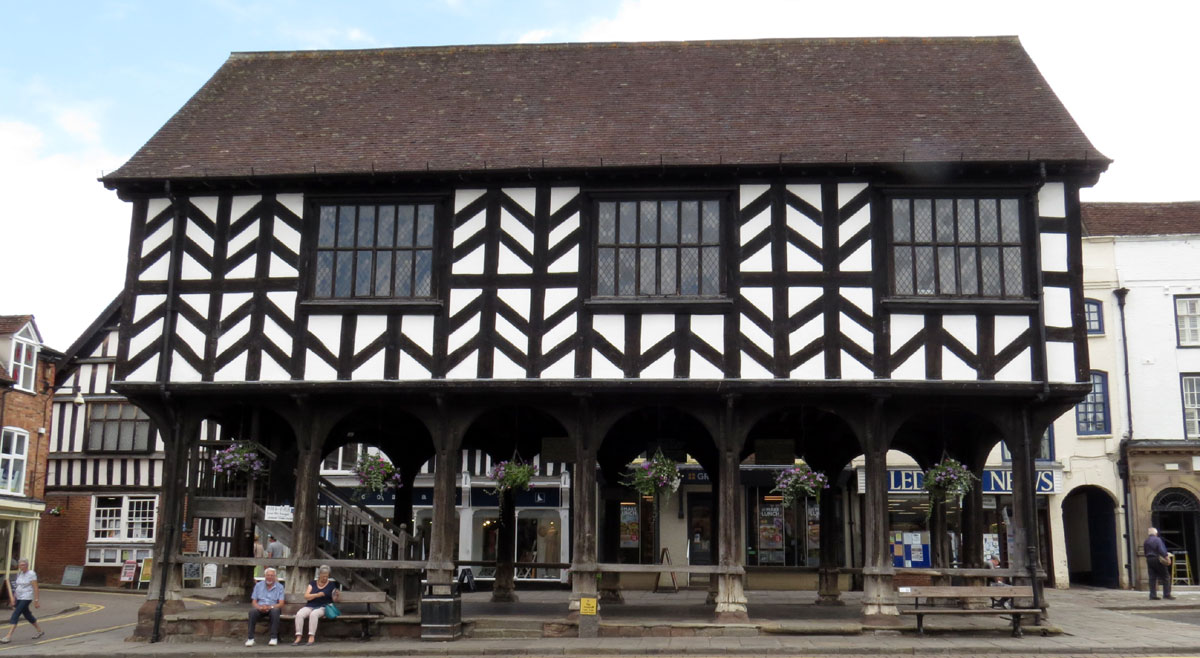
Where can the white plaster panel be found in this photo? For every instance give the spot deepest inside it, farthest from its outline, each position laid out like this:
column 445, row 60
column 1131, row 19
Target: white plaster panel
column 964, row 329
column 466, row 332
column 903, row 328
column 560, row 232
column 863, row 298
column 411, row 369
column 761, row 299
column 710, row 329
column 1017, row 370
column 662, row 368
column 1060, row 361
column 557, row 298
column 198, row 236
column 145, row 304
column 277, row 336
column 328, row 330
column 513, row 335
column 811, row 194
column 244, row 270
column 1052, row 200
column 857, row 222
column 293, row 202
column 465, row 197
column 1008, row 328
column 701, row 368
column 802, row 224
column 569, row 262
column 182, row 372
column 847, row 192
column 752, row 369
column 468, row 368
column 759, row 261
column 461, row 297
column 798, row 261
column 197, row 302
column 284, row 300
column 756, row 225
column 279, row 268
column 559, row 332
column 756, row 335
column 559, row 196
column 859, row 260
column 799, row 298
column 270, row 371
column 913, row 367
column 852, row 369
column 1057, row 303
column 526, row 197
column 148, row 371
column 602, row 368
column 231, row 301
column 159, row 270
column 505, row 368
column 656, row 327
column 287, row 236
column 472, row 263
column 516, row 230
column 955, row 369
column 806, row 334
column 813, row 368
column 233, row 335
column 517, row 299
column 156, row 206
column 612, row 328
column 366, row 329
column 469, row 228
column 1054, row 252
column 248, row 235
column 564, row 368
column 419, row 329
column 748, row 193
column 240, row 205
column 190, row 269
column 146, row 337
column 150, row 242
column 864, row 338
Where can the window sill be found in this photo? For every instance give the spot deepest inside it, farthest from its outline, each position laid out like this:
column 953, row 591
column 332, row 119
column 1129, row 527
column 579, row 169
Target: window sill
column 1094, row 436
column 413, row 306
column 957, row 304
column 658, row 304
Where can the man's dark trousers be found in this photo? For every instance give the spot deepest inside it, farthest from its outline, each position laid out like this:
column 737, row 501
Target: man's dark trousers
column 255, row 615
column 1158, row 572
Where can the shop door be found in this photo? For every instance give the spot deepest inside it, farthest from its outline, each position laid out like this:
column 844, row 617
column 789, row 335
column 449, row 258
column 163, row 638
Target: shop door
column 699, row 519
column 1175, row 514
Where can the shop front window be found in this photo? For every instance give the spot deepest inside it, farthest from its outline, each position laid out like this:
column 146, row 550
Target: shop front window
column 539, row 539
column 781, row 536
column 637, row 531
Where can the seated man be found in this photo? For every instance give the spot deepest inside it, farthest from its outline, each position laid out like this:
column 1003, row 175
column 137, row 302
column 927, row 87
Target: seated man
column 998, row 602
column 267, row 599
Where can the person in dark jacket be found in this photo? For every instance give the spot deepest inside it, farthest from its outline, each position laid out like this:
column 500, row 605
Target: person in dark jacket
column 1155, row 549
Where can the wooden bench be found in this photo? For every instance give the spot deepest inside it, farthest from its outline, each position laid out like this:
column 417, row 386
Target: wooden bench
column 967, row 592
column 357, row 599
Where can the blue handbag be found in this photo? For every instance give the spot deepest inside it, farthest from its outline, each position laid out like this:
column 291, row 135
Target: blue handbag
column 331, row 611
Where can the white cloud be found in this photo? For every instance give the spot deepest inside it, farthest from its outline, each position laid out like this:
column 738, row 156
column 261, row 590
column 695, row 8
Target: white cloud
column 535, row 36
column 64, row 236
column 327, row 37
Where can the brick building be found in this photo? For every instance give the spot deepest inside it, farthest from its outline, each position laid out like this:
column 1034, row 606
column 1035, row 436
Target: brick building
column 26, row 379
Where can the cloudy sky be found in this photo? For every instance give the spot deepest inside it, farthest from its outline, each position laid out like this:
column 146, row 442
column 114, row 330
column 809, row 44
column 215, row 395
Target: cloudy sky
column 84, row 84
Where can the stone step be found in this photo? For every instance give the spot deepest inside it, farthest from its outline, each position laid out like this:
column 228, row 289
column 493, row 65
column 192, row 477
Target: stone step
column 505, row 634
column 508, row 623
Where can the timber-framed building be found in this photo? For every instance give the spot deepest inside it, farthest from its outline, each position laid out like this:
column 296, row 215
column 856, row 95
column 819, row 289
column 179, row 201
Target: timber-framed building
column 735, row 252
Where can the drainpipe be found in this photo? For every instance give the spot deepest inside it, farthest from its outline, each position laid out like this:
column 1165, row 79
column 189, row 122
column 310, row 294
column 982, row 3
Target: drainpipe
column 1123, row 460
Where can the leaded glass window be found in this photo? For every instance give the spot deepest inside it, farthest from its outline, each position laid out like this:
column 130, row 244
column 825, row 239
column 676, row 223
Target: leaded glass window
column 117, row 427
column 382, row 251
column 957, row 247
column 1091, row 415
column 657, row 248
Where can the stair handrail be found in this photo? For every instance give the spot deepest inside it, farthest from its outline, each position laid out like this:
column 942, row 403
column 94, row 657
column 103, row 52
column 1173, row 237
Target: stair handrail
column 329, row 489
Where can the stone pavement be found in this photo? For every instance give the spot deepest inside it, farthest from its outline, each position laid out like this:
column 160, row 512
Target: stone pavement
column 1091, row 621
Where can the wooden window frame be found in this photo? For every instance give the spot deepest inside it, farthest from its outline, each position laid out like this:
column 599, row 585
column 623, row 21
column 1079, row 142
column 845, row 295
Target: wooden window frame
column 1183, row 392
column 957, row 243
column 1088, row 404
column 721, row 242
column 1089, row 305
column 140, row 418
column 123, row 519
column 1179, row 340
column 24, row 367
column 11, row 457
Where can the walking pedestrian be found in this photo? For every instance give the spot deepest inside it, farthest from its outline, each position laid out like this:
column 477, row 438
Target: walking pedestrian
column 24, row 593
column 1157, row 561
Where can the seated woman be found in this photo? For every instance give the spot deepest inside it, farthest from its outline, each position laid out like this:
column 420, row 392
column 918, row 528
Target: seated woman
column 319, row 593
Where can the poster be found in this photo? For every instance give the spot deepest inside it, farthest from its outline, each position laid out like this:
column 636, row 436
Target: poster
column 128, row 571
column 991, row 545
column 770, row 527
column 630, row 529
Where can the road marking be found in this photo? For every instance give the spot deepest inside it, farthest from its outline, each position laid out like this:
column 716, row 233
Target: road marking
column 84, row 609
column 98, row 630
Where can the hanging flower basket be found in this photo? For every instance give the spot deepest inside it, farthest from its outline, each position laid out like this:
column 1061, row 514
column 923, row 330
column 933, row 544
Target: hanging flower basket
column 375, row 474
column 799, row 482
column 513, row 475
column 654, row 476
column 240, row 458
column 949, row 479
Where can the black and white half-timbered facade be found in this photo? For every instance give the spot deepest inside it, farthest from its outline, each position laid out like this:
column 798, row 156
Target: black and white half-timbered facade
column 740, row 253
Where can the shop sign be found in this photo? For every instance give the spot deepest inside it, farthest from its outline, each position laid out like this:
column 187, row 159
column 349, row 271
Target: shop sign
column 995, row 481
column 693, row 476
column 128, row 571
column 278, row 513
column 630, row 532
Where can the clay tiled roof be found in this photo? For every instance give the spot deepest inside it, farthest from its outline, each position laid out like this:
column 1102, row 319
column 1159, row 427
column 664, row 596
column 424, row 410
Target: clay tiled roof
column 11, row 324
column 513, row 107
column 1179, row 218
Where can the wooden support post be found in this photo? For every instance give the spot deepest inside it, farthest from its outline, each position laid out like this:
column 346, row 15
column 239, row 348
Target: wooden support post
column 583, row 495
column 828, row 588
column 610, row 583
column 731, row 593
column 504, row 587
column 304, row 518
column 1024, row 491
column 879, row 597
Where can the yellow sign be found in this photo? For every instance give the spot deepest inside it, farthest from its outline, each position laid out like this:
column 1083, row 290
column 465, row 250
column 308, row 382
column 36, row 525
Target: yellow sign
column 587, row 606
column 147, row 570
